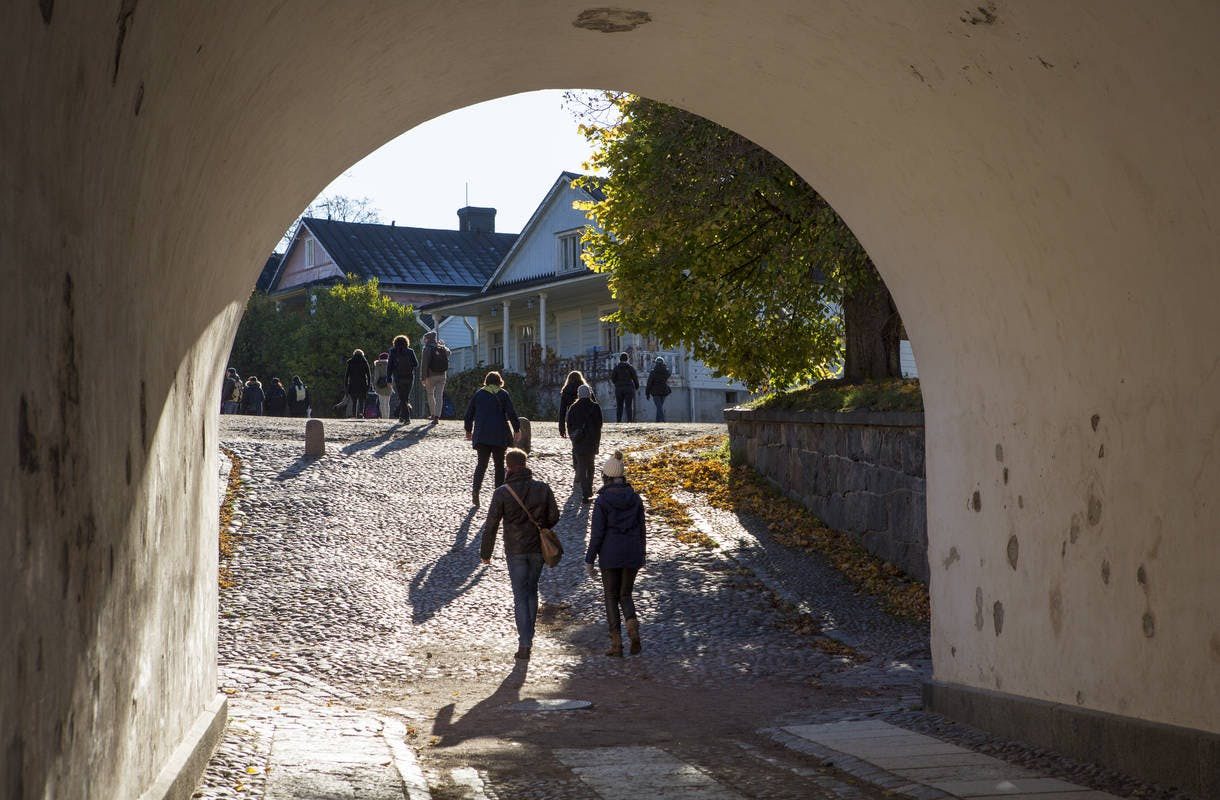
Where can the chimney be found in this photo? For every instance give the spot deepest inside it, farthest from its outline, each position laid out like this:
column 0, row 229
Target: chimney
column 472, row 218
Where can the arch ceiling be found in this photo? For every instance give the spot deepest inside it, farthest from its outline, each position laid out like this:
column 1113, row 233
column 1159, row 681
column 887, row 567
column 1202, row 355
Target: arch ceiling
column 1037, row 182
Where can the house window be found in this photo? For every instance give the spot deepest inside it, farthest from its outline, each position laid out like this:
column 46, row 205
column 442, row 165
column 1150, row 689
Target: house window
column 570, row 248
column 730, row 398
column 310, row 255
column 525, row 346
column 495, row 347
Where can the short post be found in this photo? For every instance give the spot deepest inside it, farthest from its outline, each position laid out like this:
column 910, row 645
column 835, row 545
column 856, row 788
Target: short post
column 525, row 434
column 315, row 439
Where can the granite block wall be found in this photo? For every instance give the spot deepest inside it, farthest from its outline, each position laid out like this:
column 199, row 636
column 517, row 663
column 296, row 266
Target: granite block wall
column 859, row 472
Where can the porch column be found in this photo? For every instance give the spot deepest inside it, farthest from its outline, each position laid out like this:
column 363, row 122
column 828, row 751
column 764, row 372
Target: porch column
column 542, row 323
column 504, row 339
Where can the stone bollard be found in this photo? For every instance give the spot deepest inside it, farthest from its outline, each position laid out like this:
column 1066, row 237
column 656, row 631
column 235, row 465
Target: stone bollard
column 315, row 439
column 526, row 434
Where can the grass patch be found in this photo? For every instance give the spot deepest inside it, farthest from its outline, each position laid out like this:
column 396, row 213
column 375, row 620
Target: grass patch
column 228, row 542
column 835, row 397
column 701, row 466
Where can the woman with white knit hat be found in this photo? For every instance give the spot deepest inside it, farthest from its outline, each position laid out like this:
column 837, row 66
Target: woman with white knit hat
column 616, row 544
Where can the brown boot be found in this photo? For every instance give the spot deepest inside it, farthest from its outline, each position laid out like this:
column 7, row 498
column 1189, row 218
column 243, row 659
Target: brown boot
column 633, row 633
column 616, row 645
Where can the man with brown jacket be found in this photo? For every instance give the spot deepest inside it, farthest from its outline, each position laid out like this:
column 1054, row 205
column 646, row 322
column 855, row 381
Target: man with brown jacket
column 523, row 504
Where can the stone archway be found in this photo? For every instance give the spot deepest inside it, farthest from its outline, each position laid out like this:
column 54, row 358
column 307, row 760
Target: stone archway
column 1037, row 183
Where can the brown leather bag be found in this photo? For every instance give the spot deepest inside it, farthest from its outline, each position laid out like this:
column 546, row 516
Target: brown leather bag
column 552, row 549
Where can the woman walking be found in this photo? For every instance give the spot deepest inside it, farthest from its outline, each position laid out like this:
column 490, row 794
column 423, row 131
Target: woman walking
column 584, row 426
column 252, row 397
column 657, row 388
column 400, row 369
column 298, row 398
column 356, row 381
column 616, row 543
column 567, row 396
column 491, row 426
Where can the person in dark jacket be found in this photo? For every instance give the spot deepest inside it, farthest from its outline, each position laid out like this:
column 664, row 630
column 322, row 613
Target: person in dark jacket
column 584, row 425
column 522, row 544
column 567, row 396
column 298, row 398
column 401, row 370
column 357, row 379
column 252, row 397
column 491, row 426
column 657, row 387
column 626, row 384
column 230, row 392
column 616, row 543
column 277, row 399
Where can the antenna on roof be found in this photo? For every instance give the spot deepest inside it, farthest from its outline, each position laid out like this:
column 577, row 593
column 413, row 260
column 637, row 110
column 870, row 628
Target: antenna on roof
column 467, row 192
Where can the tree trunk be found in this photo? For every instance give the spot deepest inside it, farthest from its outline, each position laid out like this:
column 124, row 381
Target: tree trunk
column 872, row 327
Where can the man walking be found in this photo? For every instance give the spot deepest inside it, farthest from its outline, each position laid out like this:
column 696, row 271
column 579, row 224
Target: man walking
column 520, row 502
column 626, row 384
column 433, row 372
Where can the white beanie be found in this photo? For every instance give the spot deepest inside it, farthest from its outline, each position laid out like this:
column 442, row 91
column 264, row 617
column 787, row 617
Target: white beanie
column 583, row 390
column 613, row 468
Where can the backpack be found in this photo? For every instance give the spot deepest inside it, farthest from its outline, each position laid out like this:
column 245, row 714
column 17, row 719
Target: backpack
column 298, row 394
column 438, row 360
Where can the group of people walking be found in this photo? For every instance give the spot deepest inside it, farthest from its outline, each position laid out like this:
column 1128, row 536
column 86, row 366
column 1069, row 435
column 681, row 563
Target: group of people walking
column 276, row 400
column 526, row 506
column 371, row 390
column 626, row 382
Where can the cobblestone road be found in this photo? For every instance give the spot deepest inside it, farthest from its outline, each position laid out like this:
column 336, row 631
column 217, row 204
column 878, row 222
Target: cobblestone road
column 367, row 653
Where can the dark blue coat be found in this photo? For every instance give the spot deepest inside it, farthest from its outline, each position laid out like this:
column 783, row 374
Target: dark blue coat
column 489, row 416
column 617, row 538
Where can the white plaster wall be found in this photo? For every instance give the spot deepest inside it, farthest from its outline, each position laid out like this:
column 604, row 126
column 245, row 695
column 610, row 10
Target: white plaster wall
column 537, row 256
column 1038, row 190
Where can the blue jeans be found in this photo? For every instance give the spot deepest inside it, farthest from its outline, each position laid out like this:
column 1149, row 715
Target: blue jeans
column 659, row 402
column 524, row 570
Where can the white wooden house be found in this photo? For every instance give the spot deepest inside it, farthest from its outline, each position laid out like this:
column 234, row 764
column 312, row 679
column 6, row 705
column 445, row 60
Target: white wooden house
column 543, row 309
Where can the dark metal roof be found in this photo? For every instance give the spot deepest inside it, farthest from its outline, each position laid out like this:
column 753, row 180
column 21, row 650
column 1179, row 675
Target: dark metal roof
column 267, row 277
column 398, row 255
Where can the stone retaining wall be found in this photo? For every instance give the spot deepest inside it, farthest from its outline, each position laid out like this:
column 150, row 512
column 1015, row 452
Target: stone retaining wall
column 861, row 472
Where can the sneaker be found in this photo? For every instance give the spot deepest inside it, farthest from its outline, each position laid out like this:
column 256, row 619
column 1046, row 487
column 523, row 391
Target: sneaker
column 522, row 654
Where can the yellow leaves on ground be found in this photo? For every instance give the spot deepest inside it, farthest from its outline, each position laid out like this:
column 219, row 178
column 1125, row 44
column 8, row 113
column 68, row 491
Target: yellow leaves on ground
column 232, row 492
column 700, row 466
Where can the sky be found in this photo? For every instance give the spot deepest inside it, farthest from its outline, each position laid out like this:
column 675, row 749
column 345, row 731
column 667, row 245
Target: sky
column 507, row 151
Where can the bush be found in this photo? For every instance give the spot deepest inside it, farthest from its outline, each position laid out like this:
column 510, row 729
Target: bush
column 352, row 315
column 461, row 386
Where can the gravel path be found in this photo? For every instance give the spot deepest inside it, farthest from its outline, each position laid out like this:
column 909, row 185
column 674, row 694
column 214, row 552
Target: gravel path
column 360, row 618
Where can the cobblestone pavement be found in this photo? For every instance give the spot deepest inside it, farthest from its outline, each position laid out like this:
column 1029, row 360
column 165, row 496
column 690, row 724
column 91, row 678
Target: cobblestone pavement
column 360, row 620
